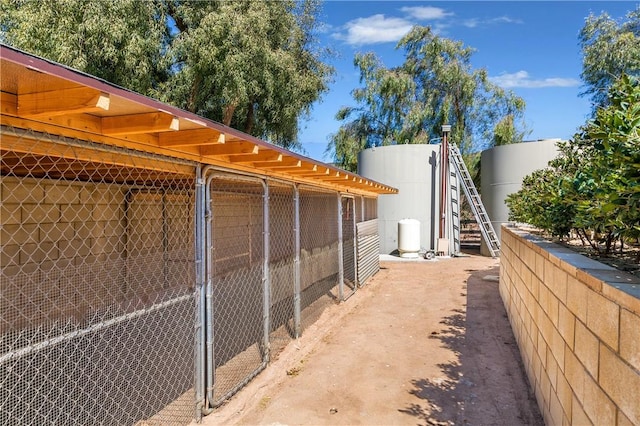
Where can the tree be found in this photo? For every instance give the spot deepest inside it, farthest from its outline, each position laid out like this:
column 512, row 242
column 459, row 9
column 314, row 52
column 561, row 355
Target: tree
column 609, row 48
column 251, row 65
column 614, row 170
column 119, row 41
column 384, row 102
column 593, row 186
column 435, row 85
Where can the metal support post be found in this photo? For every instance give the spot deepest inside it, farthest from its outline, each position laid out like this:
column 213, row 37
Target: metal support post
column 340, row 252
column 265, row 277
column 297, row 321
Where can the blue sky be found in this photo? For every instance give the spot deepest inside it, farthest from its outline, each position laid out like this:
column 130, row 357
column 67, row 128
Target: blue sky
column 528, row 47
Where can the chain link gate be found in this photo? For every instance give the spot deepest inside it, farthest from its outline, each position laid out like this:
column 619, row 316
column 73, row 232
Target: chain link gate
column 319, row 255
column 97, row 279
column 236, row 293
column 282, row 264
column 348, row 217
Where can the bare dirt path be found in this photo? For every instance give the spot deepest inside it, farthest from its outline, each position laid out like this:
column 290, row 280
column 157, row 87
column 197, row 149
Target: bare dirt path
column 424, row 343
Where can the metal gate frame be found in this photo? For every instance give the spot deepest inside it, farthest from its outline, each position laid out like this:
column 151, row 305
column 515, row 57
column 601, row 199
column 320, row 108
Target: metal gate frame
column 209, row 369
column 351, row 224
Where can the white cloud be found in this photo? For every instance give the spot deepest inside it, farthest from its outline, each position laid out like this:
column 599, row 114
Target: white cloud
column 476, row 22
column 375, row 29
column 426, row 12
column 521, row 79
column 379, row 28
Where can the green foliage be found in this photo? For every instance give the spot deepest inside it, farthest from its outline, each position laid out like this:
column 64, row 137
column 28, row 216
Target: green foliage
column 435, row 85
column 119, row 41
column 544, row 202
column 609, row 48
column 506, row 131
column 252, row 65
column 594, row 184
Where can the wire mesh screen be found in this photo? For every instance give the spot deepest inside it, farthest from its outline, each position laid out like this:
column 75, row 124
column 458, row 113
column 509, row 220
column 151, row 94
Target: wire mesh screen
column 349, row 246
column 237, row 207
column 319, row 260
column 97, row 279
column 358, row 211
column 370, row 208
column 281, row 264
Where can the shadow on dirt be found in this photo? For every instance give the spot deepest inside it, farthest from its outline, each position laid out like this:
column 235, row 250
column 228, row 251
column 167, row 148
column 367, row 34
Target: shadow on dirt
column 487, row 384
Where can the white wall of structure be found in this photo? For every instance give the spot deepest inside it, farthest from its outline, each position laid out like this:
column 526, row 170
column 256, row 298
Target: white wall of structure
column 415, row 171
column 504, row 168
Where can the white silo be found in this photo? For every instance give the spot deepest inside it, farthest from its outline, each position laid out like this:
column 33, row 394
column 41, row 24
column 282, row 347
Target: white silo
column 415, row 171
column 504, row 168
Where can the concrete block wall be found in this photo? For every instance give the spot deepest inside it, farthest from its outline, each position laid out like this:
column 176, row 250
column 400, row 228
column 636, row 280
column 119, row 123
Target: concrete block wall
column 70, row 249
column 577, row 323
column 62, row 248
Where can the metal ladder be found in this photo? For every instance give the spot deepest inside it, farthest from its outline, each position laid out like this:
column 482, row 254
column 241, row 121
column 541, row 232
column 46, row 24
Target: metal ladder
column 486, row 227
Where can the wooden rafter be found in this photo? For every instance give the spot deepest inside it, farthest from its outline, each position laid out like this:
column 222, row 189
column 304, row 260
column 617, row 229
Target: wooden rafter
column 139, row 123
column 234, row 148
column 285, row 163
column 191, row 138
column 54, row 100
column 302, row 168
column 61, row 102
column 270, row 156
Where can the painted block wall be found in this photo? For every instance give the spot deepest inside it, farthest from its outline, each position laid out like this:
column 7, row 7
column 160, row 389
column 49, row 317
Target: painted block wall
column 577, row 323
column 72, row 248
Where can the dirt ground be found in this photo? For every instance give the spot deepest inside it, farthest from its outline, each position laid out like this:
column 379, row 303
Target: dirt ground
column 423, row 343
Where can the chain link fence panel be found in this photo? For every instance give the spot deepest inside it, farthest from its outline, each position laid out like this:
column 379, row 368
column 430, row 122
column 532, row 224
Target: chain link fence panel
column 97, row 280
column 100, row 304
column 359, row 208
column 370, row 208
column 319, row 259
column 282, row 273
column 350, row 281
column 238, row 253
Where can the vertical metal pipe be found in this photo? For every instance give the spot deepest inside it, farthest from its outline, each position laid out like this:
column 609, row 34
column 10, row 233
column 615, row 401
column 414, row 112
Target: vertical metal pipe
column 444, row 166
column 296, row 263
column 355, row 245
column 199, row 348
column 265, row 271
column 210, row 364
column 340, row 252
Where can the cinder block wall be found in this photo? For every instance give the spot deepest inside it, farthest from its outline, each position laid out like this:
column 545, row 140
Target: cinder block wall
column 577, row 323
column 71, row 248
column 52, row 234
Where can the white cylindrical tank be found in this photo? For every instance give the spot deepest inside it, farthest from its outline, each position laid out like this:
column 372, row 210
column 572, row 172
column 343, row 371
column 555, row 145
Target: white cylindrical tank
column 504, row 168
column 409, row 237
column 414, row 170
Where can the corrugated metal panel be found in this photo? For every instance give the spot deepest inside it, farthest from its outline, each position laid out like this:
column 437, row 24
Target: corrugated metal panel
column 368, row 257
column 368, row 250
column 370, row 227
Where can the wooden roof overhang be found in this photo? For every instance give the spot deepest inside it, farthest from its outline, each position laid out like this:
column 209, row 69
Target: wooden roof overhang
column 44, row 96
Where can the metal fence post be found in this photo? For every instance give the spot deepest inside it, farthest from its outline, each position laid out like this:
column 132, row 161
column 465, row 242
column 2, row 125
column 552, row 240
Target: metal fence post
column 208, row 312
column 296, row 261
column 199, row 349
column 355, row 245
column 265, row 276
column 340, row 252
